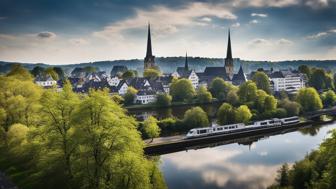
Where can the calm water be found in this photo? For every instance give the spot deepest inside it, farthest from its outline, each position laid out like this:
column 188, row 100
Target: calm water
column 238, row 166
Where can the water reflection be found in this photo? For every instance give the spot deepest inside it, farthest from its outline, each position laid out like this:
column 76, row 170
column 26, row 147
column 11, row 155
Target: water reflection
column 239, row 166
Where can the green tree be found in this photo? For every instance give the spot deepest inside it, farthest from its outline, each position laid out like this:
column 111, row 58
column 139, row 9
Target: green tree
column 247, row 92
column 151, row 127
column 305, row 70
column 270, row 103
column 110, row 147
column 152, row 73
column 328, row 98
column 50, row 71
column 225, row 114
column 117, row 99
column 129, row 74
column 232, row 97
column 163, row 100
column 37, row 70
column 262, row 81
column 292, row 108
column 243, row 114
column 182, row 90
column 58, row 109
column 60, row 72
column 17, row 136
column 195, row 117
column 283, row 176
column 90, row 69
column 320, row 80
column 203, row 95
column 309, row 99
column 130, row 95
column 19, row 72
column 219, row 88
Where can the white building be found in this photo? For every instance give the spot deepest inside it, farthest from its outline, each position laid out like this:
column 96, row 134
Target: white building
column 113, row 81
column 287, row 80
column 188, row 74
column 145, row 97
column 45, row 81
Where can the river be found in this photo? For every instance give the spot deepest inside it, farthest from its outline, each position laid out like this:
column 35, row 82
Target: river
column 236, row 166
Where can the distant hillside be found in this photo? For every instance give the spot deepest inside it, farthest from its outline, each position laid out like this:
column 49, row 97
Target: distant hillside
column 169, row 64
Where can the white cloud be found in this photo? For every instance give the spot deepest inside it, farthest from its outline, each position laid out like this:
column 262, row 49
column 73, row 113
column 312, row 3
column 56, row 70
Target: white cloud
column 166, row 20
column 259, row 15
column 265, row 3
column 254, row 21
column 259, row 41
column 321, row 34
column 284, row 42
column 315, row 4
column 235, row 25
column 206, row 19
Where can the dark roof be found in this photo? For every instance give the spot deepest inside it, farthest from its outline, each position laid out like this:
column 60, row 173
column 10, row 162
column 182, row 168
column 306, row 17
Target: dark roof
column 137, row 82
column 146, row 92
column 118, row 69
column 44, row 77
column 239, row 78
column 215, row 72
column 183, row 72
column 165, row 80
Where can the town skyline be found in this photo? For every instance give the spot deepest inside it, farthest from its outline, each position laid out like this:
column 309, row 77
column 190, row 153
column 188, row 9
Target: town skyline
column 197, row 27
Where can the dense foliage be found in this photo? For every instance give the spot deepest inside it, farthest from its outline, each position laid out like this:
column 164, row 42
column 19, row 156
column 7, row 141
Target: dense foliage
column 182, row 90
column 53, row 139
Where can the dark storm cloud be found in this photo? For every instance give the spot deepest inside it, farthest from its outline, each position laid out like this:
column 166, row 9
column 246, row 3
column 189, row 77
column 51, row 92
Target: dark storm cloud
column 46, row 35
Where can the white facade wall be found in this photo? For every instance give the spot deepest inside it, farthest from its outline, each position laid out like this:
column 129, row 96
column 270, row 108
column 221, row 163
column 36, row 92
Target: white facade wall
column 48, row 83
column 146, row 99
column 289, row 83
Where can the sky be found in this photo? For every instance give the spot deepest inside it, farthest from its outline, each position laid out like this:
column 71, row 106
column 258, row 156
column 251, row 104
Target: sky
column 75, row 31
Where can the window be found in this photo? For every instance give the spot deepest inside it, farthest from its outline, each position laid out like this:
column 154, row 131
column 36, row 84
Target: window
column 203, row 131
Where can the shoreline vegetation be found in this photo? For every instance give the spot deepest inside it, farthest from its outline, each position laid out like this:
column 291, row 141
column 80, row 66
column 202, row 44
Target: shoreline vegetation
column 57, row 139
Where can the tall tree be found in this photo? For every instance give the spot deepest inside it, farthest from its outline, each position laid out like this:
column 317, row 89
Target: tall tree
column 262, row 81
column 195, row 117
column 58, row 109
column 247, row 92
column 111, row 149
column 220, row 88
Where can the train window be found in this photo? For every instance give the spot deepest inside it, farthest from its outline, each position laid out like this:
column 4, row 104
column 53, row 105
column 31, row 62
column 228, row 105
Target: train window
column 202, row 131
column 225, row 128
column 220, row 129
column 263, row 123
column 214, row 129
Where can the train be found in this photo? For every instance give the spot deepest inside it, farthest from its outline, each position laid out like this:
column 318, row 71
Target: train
column 241, row 127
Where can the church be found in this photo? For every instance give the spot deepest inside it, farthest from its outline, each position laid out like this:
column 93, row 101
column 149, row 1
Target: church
column 149, row 60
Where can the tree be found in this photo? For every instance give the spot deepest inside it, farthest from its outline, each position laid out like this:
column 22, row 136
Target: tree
column 320, row 79
column 225, row 114
column 292, row 108
column 203, row 95
column 152, row 73
column 328, row 98
column 117, row 99
column 59, row 72
column 151, row 127
column 232, row 97
column 58, row 109
column 90, row 69
column 270, row 103
column 163, row 100
column 130, row 95
column 247, row 92
column 19, row 72
column 182, row 90
column 283, row 176
column 262, row 81
column 243, row 114
column 219, row 88
column 129, row 74
column 305, row 70
column 37, row 70
column 17, row 136
column 111, row 149
column 195, row 117
column 50, row 71
column 309, row 99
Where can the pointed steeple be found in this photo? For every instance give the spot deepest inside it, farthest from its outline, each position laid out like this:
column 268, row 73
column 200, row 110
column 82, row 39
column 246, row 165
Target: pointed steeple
column 149, row 43
column 186, row 66
column 229, row 52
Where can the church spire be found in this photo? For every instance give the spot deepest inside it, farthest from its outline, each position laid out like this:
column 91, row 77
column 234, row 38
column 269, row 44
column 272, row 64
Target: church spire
column 186, row 66
column 229, row 52
column 149, row 43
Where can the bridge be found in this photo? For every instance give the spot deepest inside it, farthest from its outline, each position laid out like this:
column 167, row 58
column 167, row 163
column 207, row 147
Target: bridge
column 316, row 114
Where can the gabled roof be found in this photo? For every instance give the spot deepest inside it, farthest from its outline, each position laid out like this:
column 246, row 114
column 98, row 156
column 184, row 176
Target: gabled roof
column 215, row 72
column 43, row 77
column 183, row 72
column 240, row 77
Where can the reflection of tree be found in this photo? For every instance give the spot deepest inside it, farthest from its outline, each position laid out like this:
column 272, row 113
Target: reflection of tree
column 164, row 113
column 312, row 131
column 157, row 179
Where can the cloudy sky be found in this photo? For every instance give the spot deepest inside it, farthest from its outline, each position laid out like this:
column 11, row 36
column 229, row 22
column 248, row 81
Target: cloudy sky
column 72, row 31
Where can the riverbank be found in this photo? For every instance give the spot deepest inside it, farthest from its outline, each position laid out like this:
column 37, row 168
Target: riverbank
column 165, row 145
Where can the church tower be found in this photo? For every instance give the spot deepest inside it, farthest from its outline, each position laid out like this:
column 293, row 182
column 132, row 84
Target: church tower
column 149, row 59
column 186, row 66
column 228, row 60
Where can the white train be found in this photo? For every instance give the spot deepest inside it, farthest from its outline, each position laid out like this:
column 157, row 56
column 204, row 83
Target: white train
column 240, row 127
